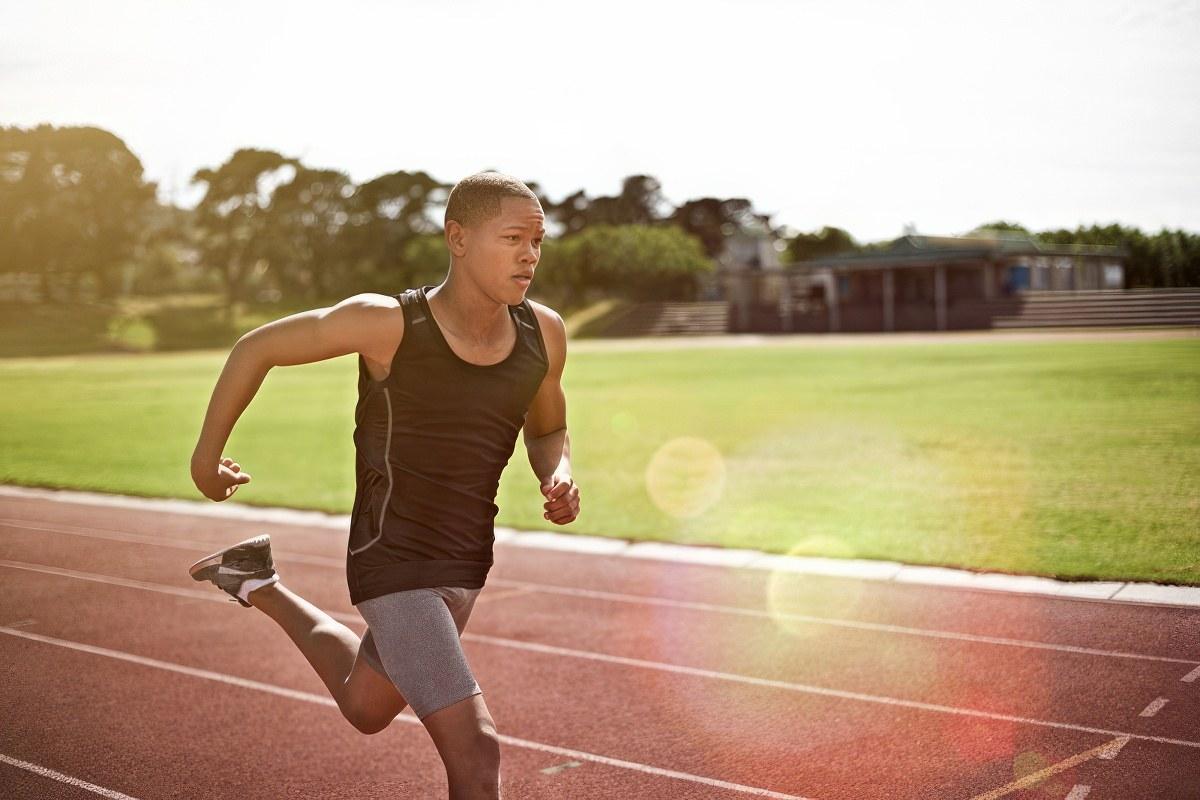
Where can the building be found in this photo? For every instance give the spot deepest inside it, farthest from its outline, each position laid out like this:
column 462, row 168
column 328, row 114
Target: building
column 915, row 283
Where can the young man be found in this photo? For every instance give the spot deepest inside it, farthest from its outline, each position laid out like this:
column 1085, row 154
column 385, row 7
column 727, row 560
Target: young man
column 447, row 377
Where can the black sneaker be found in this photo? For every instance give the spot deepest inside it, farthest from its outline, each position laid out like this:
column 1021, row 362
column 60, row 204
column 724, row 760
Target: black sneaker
column 228, row 569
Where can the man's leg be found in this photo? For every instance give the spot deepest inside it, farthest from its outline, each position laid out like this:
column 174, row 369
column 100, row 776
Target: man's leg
column 466, row 739
column 367, row 699
column 417, row 638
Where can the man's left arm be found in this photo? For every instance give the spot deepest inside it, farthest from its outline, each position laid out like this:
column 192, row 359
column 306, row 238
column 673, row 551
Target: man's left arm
column 546, row 439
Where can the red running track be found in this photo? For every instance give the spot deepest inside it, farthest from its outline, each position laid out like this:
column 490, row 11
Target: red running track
column 608, row 677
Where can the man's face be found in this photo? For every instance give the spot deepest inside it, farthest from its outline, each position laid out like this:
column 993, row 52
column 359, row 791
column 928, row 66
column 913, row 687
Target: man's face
column 503, row 252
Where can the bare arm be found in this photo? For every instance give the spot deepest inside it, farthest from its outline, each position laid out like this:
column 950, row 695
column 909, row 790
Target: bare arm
column 546, row 440
column 357, row 324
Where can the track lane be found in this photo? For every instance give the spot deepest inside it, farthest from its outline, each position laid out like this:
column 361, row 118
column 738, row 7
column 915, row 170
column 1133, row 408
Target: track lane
column 1039, row 684
column 1166, row 631
column 674, row 706
column 610, row 576
column 261, row 746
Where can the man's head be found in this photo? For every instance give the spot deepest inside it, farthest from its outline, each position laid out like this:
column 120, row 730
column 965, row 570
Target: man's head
column 494, row 229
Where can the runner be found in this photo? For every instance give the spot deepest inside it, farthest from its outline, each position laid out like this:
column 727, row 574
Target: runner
column 447, row 377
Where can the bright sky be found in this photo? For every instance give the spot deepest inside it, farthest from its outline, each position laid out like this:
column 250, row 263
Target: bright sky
column 864, row 114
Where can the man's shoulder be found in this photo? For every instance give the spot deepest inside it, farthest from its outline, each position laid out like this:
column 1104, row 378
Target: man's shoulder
column 371, row 309
column 547, row 316
column 371, row 300
column 373, row 322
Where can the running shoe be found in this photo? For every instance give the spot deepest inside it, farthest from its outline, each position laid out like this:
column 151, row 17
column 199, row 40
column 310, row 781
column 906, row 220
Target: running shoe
column 228, row 569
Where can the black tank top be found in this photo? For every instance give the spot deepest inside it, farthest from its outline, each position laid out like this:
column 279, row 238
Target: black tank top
column 430, row 442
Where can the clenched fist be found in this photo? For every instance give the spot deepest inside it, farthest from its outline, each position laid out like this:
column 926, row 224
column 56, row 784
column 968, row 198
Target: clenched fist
column 220, row 483
column 562, row 499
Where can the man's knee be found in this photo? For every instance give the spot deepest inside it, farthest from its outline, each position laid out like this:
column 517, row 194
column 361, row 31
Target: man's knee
column 368, row 723
column 367, row 717
column 487, row 746
column 368, row 700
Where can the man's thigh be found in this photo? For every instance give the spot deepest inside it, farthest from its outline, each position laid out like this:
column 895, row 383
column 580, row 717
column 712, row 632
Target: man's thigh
column 417, row 646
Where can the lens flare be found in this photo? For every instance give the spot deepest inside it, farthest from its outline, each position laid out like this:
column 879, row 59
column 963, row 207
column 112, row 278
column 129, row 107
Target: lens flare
column 686, row 477
column 793, row 594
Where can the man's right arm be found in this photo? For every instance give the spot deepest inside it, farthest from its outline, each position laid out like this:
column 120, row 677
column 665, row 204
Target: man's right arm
column 359, row 324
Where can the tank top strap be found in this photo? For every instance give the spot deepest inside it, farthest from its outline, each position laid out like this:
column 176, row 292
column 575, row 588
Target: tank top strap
column 416, row 321
column 529, row 329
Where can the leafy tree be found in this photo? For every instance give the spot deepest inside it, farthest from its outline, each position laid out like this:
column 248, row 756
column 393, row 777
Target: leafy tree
column 999, row 225
column 571, row 213
column 306, row 253
column 232, row 216
column 640, row 202
column 166, row 255
column 72, row 203
column 389, row 212
column 826, row 242
column 1167, row 258
column 710, row 220
column 425, row 261
column 639, row 262
column 1178, row 257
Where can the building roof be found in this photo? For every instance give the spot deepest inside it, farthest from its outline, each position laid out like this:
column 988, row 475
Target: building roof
column 916, row 249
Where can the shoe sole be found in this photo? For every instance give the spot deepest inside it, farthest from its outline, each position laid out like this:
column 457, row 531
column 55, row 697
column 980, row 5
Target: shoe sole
column 200, row 568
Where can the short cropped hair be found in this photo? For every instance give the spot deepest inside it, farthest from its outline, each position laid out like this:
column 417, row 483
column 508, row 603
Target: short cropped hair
column 476, row 198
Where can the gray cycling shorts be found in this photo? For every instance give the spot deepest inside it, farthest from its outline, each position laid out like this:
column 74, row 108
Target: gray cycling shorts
column 412, row 639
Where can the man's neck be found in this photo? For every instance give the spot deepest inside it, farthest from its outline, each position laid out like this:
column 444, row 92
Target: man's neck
column 468, row 312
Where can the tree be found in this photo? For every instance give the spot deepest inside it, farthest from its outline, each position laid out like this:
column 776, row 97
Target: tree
column 571, row 213
column 1167, row 258
column 72, row 203
column 306, row 253
column 425, row 261
column 638, row 262
column 1178, row 257
column 389, row 213
column 826, row 242
column 710, row 220
column 232, row 215
column 1141, row 266
column 640, row 202
column 999, row 225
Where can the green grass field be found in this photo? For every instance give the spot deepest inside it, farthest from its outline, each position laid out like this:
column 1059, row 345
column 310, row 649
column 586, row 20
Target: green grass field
column 1069, row 459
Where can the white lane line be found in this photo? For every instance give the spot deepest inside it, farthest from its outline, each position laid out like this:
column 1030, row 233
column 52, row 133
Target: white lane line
column 967, row 580
column 1153, row 708
column 339, row 564
column 405, row 716
column 635, row 662
column 46, row 772
column 1114, row 749
column 1037, row 777
column 1079, row 792
column 841, row 623
column 1191, row 676
column 557, row 768
column 489, row 596
column 110, row 535
column 808, row 689
column 128, row 583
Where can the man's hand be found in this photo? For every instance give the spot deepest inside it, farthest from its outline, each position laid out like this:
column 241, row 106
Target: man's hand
column 221, row 483
column 562, row 498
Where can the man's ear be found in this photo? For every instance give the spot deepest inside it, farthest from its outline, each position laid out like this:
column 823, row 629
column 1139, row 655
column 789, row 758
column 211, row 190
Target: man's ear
column 456, row 238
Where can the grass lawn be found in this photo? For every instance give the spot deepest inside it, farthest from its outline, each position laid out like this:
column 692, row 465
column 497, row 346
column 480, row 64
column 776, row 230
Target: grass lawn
column 1071, row 459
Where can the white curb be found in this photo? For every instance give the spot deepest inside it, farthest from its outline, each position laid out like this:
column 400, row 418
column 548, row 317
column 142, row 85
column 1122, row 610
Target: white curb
column 1146, row 593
